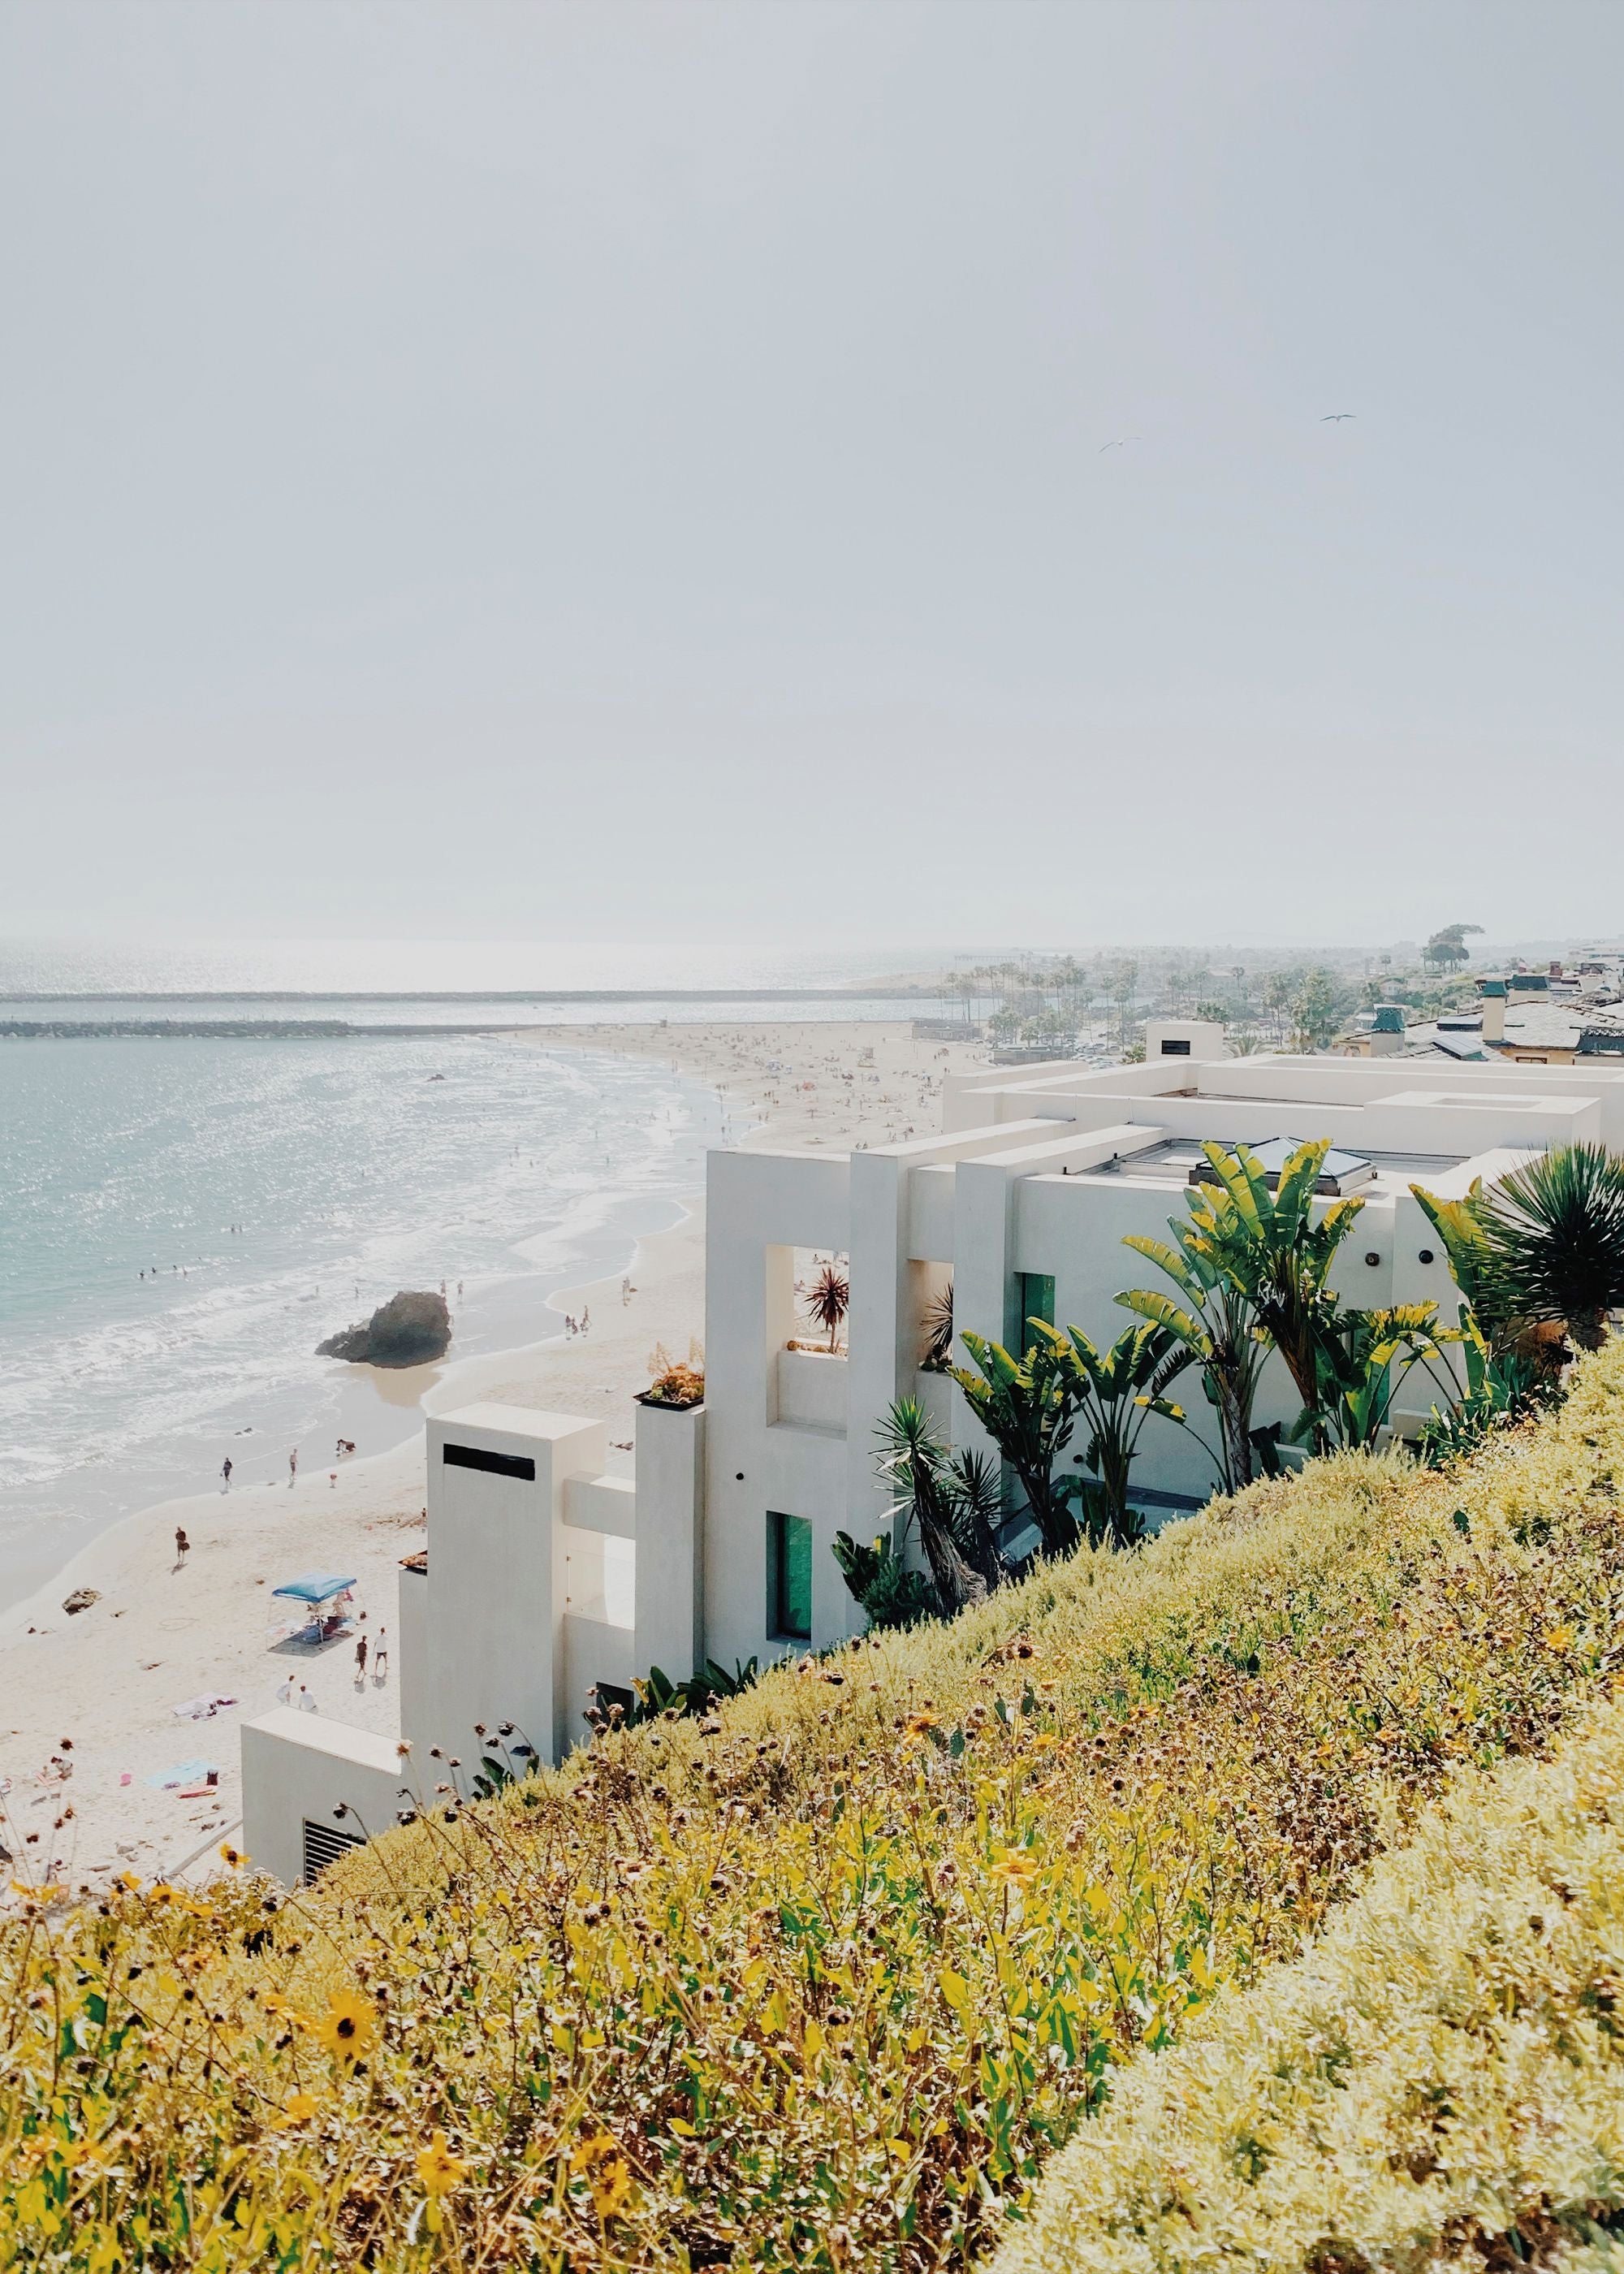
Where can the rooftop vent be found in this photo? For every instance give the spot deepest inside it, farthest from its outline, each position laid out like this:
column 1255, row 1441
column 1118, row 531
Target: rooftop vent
column 1339, row 1172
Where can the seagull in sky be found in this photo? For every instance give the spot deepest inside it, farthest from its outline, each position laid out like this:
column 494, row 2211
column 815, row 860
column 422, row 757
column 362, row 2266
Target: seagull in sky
column 1120, row 443
column 1335, row 417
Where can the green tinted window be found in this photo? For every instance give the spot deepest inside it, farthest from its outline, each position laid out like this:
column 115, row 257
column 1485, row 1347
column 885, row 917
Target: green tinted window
column 1037, row 1301
column 789, row 1576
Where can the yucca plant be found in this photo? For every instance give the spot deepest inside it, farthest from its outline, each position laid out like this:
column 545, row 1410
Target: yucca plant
column 938, row 1325
column 1555, row 1237
column 948, row 1499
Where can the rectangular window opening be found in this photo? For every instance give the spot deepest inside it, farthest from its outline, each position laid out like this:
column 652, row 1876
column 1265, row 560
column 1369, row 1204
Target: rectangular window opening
column 495, row 1464
column 1175, row 1047
column 789, row 1576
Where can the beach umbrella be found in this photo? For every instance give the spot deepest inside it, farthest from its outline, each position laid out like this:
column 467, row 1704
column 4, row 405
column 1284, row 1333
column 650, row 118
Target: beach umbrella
column 314, row 1587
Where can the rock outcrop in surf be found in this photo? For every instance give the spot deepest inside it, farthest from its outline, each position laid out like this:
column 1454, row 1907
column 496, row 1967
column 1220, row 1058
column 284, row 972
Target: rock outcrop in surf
column 410, row 1329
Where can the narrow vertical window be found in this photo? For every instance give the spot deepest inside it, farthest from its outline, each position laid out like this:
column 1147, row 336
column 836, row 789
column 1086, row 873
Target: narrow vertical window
column 1036, row 1291
column 789, row 1576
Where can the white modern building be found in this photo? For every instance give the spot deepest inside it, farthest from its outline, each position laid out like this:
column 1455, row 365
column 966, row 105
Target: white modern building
column 545, row 1576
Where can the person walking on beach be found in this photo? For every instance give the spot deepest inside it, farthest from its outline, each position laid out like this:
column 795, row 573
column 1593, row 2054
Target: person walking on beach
column 183, row 1546
column 285, row 1696
column 380, row 1653
column 293, row 1468
column 586, row 1316
column 225, row 1472
column 360, row 1662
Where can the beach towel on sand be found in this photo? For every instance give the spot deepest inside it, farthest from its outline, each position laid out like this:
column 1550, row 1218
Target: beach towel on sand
column 202, row 1708
column 188, row 1772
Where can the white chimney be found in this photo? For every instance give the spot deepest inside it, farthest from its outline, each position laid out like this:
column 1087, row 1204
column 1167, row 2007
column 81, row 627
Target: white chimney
column 1493, row 996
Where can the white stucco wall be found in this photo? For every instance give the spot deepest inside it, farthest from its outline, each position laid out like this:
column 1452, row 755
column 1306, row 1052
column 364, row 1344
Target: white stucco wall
column 297, row 1766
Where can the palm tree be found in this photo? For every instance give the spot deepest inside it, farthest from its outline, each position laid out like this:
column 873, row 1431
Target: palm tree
column 1217, row 1324
column 1278, row 1258
column 1115, row 1391
column 950, row 1501
column 829, row 1298
column 1555, row 1239
column 1027, row 1407
column 1364, row 1357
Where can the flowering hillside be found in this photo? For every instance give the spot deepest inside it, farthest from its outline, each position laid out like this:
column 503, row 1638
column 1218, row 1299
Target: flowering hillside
column 1439, row 2079
column 824, row 1979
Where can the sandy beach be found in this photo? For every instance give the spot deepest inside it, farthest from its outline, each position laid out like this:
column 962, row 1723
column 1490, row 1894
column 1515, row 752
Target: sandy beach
column 96, row 1691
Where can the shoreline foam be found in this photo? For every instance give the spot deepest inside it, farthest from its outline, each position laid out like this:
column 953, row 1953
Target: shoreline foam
column 108, row 1677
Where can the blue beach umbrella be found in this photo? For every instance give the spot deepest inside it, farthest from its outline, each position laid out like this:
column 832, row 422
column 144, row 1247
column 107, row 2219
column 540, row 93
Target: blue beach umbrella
column 314, row 1587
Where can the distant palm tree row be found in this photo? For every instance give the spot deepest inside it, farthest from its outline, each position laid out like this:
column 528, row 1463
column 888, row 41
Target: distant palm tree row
column 1270, row 1004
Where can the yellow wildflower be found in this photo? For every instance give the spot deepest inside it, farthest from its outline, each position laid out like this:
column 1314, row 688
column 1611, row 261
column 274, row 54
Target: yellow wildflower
column 606, row 2173
column 299, row 2107
column 439, row 2170
column 1560, row 1638
column 1016, row 1867
column 348, row 2027
column 918, row 1723
column 232, row 1857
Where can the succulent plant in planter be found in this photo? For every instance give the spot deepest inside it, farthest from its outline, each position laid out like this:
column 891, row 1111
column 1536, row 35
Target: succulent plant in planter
column 676, row 1381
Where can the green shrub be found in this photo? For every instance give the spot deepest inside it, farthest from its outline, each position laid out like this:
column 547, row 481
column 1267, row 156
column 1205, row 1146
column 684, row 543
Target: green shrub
column 1439, row 2079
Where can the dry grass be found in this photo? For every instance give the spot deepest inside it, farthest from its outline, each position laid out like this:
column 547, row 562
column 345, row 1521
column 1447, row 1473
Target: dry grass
column 822, row 1981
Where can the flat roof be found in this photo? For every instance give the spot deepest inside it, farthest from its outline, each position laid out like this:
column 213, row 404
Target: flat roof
column 1171, row 1162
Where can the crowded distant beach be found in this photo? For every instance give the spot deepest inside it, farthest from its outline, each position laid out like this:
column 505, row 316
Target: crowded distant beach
column 119, row 1724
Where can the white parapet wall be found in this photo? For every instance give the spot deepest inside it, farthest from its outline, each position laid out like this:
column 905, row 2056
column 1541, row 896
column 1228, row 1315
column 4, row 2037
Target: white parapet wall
column 668, row 1582
column 543, row 1578
column 299, row 1770
column 497, row 1575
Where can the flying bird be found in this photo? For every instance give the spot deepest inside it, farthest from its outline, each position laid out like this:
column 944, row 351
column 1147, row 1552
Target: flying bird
column 1335, row 417
column 1120, row 443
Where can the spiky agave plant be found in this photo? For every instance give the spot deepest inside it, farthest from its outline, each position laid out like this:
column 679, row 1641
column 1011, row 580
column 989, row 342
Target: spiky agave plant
column 938, row 1325
column 1555, row 1231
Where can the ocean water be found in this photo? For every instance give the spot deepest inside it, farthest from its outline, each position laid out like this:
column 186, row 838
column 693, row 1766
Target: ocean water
column 142, row 1338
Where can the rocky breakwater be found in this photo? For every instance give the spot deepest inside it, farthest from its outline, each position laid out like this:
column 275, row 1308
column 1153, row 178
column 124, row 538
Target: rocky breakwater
column 410, row 1329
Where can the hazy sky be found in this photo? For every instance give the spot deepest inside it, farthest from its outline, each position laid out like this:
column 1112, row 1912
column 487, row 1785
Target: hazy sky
column 636, row 471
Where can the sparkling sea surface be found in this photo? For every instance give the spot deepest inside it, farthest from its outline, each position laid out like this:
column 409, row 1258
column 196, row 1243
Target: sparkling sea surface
column 142, row 1338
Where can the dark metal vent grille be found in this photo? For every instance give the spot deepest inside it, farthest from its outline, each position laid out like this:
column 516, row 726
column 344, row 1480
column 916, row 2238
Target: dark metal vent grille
column 323, row 1845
